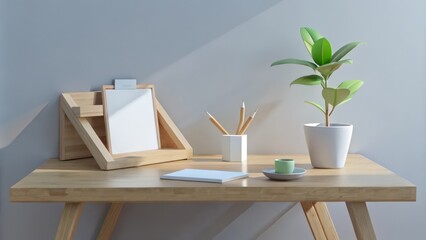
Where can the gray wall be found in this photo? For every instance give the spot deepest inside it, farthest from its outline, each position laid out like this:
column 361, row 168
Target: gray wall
column 208, row 55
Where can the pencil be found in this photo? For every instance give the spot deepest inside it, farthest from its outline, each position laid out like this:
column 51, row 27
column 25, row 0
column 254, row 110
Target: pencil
column 217, row 124
column 247, row 123
column 242, row 116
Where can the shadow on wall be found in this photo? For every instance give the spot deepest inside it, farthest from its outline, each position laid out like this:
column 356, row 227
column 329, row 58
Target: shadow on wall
column 10, row 131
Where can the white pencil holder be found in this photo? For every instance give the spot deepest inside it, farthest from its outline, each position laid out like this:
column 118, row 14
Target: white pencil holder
column 234, row 148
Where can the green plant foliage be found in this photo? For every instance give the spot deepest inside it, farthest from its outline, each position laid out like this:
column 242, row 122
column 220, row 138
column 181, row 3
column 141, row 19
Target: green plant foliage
column 334, row 96
column 325, row 64
column 321, row 51
column 316, row 105
column 339, row 54
column 353, row 86
column 327, row 69
column 309, row 36
column 308, row 80
column 295, row 61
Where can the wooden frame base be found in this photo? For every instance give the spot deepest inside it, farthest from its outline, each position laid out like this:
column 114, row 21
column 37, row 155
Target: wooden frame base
column 82, row 135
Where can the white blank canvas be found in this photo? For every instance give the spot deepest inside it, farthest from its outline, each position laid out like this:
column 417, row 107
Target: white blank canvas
column 132, row 122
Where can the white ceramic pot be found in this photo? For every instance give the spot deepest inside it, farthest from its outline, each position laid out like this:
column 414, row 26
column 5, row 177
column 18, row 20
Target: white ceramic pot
column 328, row 146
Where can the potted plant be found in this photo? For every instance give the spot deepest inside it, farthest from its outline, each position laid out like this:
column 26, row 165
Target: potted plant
column 328, row 143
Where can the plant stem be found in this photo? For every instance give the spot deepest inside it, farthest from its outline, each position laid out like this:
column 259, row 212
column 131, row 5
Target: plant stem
column 327, row 116
column 332, row 110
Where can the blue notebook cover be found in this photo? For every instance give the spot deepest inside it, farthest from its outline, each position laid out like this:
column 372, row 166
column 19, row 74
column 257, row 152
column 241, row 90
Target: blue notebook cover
column 201, row 175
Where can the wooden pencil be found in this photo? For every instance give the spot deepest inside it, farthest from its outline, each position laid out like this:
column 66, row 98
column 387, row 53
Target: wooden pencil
column 217, row 124
column 247, row 123
column 242, row 116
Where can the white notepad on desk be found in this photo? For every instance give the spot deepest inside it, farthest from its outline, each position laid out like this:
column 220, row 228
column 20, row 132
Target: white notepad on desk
column 201, row 175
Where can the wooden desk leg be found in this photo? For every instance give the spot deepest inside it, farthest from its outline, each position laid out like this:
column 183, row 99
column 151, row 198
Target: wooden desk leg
column 69, row 219
column 319, row 220
column 361, row 220
column 313, row 220
column 326, row 221
column 110, row 221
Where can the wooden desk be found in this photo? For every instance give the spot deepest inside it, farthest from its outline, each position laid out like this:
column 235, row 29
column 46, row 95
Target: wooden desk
column 79, row 181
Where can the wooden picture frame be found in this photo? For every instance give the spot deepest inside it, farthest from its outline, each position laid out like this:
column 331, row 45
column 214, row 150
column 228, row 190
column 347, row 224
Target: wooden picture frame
column 134, row 127
column 83, row 134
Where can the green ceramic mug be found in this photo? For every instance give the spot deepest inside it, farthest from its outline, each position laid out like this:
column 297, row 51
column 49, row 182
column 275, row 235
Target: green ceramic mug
column 284, row 166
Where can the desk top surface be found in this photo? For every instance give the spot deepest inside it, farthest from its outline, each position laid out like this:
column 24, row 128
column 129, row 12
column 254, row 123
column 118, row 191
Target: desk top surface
column 83, row 181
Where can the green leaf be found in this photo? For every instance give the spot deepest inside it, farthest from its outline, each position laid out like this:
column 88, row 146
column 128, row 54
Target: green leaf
column 321, row 51
column 345, row 101
column 335, row 96
column 353, row 86
column 327, row 69
column 316, row 105
column 308, row 80
column 295, row 61
column 309, row 36
column 339, row 54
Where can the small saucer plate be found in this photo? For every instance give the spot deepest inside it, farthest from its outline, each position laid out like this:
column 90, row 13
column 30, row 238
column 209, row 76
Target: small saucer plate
column 297, row 173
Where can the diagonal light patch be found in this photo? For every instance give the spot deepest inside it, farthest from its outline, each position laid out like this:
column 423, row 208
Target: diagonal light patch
column 275, row 221
column 224, row 221
column 10, row 131
column 215, row 70
column 260, row 217
column 293, row 223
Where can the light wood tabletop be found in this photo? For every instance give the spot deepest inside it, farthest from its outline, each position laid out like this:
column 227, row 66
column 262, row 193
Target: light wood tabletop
column 82, row 180
column 79, row 181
